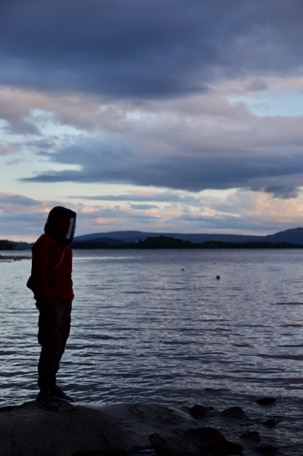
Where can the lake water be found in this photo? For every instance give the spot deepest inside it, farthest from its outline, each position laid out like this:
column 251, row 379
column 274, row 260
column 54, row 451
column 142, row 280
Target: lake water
column 169, row 326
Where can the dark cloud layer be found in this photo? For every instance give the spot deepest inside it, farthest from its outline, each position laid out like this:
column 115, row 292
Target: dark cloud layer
column 143, row 48
column 113, row 161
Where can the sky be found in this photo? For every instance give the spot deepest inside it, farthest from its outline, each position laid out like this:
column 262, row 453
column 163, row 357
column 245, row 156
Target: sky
column 176, row 116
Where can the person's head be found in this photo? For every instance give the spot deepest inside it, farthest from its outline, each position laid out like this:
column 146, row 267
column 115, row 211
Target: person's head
column 61, row 224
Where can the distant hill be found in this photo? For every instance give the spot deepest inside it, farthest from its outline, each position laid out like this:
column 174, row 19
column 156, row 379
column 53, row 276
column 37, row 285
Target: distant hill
column 116, row 239
column 12, row 245
column 138, row 239
column 136, row 236
column 292, row 236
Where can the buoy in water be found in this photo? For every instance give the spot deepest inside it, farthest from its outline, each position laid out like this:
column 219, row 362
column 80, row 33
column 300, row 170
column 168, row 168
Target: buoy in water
column 218, row 277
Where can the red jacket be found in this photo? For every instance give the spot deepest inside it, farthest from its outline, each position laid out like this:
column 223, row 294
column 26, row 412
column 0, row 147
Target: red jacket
column 51, row 282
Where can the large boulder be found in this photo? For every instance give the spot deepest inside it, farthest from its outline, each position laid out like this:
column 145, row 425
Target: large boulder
column 30, row 431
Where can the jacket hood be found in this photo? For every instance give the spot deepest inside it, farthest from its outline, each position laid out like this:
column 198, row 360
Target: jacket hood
column 61, row 224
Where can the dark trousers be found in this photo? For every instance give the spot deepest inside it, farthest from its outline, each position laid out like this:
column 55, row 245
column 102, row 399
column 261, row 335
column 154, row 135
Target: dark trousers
column 54, row 327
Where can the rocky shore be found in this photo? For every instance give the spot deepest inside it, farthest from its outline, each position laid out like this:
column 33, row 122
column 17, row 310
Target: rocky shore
column 14, row 257
column 139, row 429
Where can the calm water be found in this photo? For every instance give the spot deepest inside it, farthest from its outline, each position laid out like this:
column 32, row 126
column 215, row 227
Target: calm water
column 160, row 326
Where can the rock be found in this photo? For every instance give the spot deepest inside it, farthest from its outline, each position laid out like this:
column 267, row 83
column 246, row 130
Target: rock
column 102, row 453
column 266, row 401
column 127, row 429
column 114, row 430
column 174, row 446
column 253, row 436
column 266, row 449
column 272, row 422
column 147, row 419
column 235, row 412
column 198, row 411
column 30, row 431
column 13, row 257
column 214, row 441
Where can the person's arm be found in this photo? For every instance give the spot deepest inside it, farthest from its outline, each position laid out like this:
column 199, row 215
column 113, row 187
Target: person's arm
column 40, row 268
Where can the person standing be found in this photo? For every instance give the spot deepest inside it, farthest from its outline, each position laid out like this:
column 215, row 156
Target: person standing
column 51, row 283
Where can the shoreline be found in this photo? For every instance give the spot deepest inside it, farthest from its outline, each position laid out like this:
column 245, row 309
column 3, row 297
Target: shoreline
column 14, row 257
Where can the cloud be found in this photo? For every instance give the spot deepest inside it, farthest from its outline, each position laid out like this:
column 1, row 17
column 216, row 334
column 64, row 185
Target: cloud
column 146, row 49
column 141, row 196
column 10, row 200
column 20, row 216
column 195, row 151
